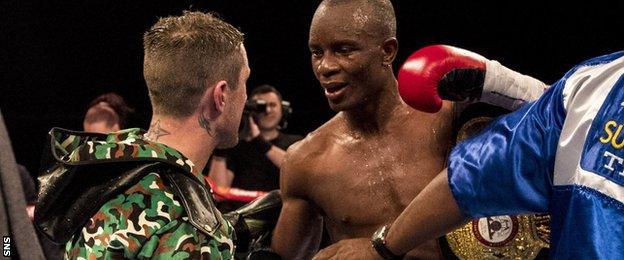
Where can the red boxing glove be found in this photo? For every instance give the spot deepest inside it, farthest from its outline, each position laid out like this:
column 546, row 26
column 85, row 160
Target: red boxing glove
column 439, row 72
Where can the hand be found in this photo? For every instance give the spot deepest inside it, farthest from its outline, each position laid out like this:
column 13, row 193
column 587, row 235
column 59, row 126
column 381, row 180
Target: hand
column 441, row 72
column 357, row 248
column 254, row 130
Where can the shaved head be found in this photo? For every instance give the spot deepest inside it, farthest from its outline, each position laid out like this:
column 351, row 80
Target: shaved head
column 376, row 17
column 353, row 43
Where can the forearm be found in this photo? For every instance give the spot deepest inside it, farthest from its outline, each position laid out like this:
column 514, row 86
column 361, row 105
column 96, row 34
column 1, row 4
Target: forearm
column 219, row 172
column 276, row 156
column 509, row 89
column 272, row 152
column 431, row 214
column 298, row 231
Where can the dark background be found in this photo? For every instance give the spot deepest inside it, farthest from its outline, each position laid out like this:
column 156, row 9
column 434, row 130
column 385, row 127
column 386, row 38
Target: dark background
column 56, row 56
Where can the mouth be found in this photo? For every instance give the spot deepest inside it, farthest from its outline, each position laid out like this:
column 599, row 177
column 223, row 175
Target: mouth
column 334, row 89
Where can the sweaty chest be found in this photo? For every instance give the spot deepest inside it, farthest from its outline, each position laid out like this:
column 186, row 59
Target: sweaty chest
column 361, row 187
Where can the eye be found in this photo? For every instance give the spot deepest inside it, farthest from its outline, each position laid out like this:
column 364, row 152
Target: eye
column 316, row 53
column 344, row 49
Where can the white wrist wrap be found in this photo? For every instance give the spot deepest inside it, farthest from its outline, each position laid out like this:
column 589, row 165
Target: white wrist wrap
column 509, row 89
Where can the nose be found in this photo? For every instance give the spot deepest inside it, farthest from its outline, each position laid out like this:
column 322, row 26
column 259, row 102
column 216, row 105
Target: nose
column 327, row 66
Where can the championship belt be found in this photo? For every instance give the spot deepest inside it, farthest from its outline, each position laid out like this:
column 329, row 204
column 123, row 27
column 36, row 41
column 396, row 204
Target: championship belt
column 508, row 237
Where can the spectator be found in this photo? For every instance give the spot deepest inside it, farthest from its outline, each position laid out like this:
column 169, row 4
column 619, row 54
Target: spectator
column 254, row 163
column 107, row 113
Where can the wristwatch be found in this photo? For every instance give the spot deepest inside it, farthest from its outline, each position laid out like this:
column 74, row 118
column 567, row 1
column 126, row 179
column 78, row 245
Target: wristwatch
column 378, row 242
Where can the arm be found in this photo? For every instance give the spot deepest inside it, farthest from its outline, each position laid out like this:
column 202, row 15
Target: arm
column 276, row 155
column 439, row 72
column 506, row 169
column 431, row 214
column 298, row 231
column 219, row 172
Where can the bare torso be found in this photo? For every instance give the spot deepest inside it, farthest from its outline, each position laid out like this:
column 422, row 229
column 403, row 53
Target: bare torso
column 359, row 182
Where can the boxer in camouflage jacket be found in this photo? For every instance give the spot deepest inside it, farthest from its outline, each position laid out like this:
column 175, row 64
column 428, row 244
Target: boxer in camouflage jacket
column 147, row 220
column 140, row 195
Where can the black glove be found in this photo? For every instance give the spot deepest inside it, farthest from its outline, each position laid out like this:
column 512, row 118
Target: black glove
column 254, row 222
column 263, row 254
column 221, row 152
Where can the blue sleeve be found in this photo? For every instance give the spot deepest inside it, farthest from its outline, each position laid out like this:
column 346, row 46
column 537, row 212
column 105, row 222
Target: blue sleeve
column 507, row 168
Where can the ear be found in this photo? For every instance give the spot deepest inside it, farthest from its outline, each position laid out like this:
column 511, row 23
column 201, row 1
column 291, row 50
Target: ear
column 213, row 100
column 219, row 96
column 389, row 47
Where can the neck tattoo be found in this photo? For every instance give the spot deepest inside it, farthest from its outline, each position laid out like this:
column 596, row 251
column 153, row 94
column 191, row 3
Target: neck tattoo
column 203, row 123
column 156, row 131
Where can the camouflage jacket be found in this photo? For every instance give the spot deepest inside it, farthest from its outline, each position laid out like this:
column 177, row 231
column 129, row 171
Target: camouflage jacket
column 146, row 220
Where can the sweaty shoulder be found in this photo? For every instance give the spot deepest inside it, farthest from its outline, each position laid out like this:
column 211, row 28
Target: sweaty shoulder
column 304, row 156
column 437, row 127
column 315, row 143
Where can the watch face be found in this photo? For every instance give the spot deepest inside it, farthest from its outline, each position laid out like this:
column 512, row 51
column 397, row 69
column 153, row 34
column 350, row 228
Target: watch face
column 379, row 237
column 379, row 243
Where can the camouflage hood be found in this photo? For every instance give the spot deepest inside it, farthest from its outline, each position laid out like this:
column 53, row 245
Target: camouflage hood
column 89, row 169
column 82, row 148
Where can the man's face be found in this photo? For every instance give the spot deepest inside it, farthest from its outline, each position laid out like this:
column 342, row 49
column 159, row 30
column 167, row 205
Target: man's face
column 235, row 105
column 273, row 114
column 346, row 56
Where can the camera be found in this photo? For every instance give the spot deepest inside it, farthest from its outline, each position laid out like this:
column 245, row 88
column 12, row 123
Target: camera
column 259, row 106
column 253, row 107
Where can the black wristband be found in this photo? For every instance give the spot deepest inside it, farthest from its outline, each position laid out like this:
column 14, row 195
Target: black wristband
column 378, row 242
column 260, row 144
column 221, row 152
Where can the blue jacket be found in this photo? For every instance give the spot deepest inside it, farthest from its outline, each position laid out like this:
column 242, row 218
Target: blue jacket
column 563, row 154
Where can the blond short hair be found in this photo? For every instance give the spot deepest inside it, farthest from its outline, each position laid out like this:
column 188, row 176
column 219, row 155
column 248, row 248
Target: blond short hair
column 184, row 55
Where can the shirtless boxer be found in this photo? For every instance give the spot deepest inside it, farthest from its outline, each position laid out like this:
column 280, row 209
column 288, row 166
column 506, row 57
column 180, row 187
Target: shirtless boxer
column 556, row 154
column 363, row 167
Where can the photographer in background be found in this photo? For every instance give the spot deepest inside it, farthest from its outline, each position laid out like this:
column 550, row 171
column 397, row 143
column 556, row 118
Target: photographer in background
column 254, row 163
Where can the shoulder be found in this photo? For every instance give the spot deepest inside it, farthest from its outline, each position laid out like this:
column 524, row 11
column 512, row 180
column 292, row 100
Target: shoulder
column 313, row 145
column 595, row 67
column 149, row 204
column 603, row 59
column 166, row 222
column 284, row 140
column 304, row 156
column 417, row 122
column 596, row 74
column 128, row 221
